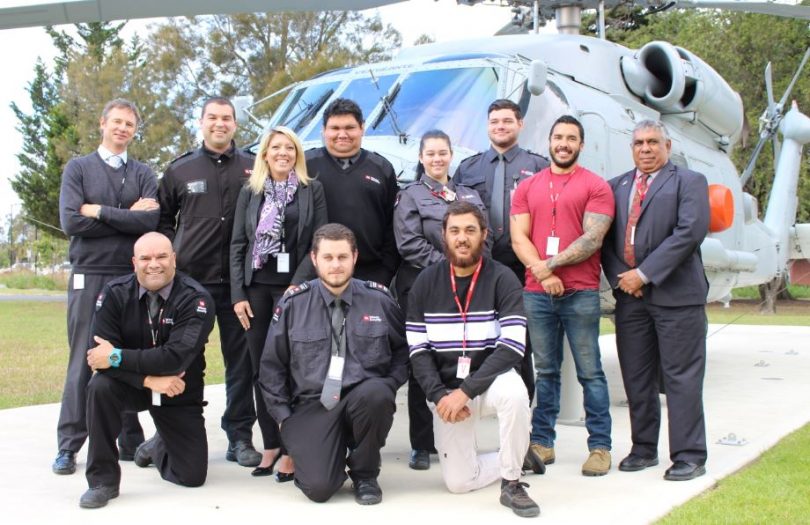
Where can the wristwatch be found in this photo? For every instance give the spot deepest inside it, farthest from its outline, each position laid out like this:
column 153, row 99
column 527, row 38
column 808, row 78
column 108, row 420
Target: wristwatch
column 115, row 358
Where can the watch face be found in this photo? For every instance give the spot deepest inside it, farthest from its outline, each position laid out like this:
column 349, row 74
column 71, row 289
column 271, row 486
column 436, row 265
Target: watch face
column 114, row 358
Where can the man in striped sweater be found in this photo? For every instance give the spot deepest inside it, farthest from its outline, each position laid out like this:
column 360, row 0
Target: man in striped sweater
column 467, row 333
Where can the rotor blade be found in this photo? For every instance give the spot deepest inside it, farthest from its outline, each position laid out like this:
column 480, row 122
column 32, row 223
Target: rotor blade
column 769, row 85
column 749, row 169
column 762, row 7
column 795, row 78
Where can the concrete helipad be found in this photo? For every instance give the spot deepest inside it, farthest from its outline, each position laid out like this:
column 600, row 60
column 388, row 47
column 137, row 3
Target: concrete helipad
column 756, row 392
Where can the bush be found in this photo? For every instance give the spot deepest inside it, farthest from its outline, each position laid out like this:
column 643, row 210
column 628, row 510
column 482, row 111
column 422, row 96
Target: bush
column 27, row 280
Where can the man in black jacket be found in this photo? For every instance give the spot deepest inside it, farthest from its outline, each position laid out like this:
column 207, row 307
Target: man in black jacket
column 150, row 330
column 198, row 196
column 467, row 331
column 106, row 201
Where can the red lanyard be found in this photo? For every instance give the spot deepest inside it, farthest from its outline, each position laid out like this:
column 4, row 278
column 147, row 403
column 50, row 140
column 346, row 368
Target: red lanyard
column 554, row 199
column 470, row 291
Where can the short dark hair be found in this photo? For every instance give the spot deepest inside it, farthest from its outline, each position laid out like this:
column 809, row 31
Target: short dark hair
column 463, row 208
column 568, row 119
column 222, row 101
column 121, row 103
column 432, row 134
column 343, row 106
column 505, row 103
column 333, row 232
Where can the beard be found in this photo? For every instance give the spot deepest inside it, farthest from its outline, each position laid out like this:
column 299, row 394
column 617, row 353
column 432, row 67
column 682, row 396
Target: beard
column 334, row 280
column 564, row 164
column 461, row 261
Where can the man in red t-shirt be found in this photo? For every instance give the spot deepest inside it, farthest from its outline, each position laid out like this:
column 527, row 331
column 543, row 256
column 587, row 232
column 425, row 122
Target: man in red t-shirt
column 559, row 218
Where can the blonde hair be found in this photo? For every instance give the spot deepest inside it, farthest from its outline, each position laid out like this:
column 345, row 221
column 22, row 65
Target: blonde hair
column 260, row 169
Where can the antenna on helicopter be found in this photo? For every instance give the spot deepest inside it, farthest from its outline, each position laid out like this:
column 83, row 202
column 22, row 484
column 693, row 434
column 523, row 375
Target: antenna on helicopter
column 771, row 117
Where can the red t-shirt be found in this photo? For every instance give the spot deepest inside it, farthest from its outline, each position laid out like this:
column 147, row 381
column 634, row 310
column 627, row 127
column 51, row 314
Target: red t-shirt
column 575, row 193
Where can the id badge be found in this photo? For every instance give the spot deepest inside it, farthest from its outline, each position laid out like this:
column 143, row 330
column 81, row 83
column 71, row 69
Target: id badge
column 283, row 262
column 78, row 281
column 155, row 399
column 336, row 367
column 552, row 246
column 463, row 369
column 633, row 236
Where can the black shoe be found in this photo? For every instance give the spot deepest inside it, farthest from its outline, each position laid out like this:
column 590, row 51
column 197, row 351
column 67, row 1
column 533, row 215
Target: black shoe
column 514, row 496
column 260, row 472
column 96, row 497
column 420, row 460
column 243, row 453
column 284, row 477
column 65, row 462
column 367, row 492
column 145, row 453
column 125, row 454
column 684, row 471
column 634, row 463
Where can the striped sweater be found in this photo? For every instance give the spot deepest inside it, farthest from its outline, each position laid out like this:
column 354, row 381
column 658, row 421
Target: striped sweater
column 495, row 328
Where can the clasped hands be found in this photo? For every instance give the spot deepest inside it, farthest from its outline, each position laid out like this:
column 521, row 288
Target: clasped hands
column 552, row 284
column 142, row 204
column 453, row 408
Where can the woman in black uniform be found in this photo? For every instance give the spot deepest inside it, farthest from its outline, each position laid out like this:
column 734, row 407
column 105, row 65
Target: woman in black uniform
column 277, row 213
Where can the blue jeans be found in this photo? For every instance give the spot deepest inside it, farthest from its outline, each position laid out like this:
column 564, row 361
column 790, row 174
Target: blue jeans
column 576, row 315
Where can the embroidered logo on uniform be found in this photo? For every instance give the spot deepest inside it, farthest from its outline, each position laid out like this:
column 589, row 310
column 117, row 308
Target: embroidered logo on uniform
column 100, row 300
column 276, row 313
column 197, row 186
column 372, row 179
column 467, row 197
column 526, row 173
column 201, row 309
column 168, row 320
column 248, row 172
column 372, row 319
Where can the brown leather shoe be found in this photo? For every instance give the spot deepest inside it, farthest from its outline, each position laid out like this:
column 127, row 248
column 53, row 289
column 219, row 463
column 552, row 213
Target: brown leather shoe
column 597, row 464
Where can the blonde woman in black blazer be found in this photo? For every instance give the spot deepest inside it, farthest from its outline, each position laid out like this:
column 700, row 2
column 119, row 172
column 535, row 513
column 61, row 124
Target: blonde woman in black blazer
column 277, row 212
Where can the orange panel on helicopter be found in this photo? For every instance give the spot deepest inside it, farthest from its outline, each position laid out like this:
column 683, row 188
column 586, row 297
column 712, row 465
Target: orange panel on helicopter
column 721, row 203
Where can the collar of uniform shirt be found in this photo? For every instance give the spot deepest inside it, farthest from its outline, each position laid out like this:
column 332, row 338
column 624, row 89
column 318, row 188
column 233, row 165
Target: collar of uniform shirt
column 346, row 296
column 351, row 160
column 214, row 155
column 105, row 154
column 509, row 155
column 163, row 292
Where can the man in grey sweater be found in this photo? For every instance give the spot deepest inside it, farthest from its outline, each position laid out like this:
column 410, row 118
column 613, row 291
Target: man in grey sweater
column 106, row 202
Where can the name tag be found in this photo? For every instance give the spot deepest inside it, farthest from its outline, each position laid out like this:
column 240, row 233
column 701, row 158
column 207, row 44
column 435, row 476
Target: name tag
column 155, row 399
column 283, row 262
column 552, row 246
column 463, row 369
column 336, row 367
column 196, row 186
column 78, row 281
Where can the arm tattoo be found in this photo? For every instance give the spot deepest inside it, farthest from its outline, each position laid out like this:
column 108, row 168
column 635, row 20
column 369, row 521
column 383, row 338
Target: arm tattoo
column 595, row 226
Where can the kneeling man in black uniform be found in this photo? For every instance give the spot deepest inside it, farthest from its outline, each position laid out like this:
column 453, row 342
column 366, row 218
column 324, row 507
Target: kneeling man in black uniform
column 334, row 358
column 150, row 330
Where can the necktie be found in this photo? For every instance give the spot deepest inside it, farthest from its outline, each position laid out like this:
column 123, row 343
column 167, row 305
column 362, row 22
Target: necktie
column 345, row 163
column 115, row 162
column 497, row 197
column 153, row 304
column 632, row 219
column 330, row 395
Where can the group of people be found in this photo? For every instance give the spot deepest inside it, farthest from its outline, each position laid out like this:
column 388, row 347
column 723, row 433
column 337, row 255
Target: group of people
column 292, row 253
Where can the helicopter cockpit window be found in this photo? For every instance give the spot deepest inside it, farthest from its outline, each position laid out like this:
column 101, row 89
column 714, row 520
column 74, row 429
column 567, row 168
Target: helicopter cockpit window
column 304, row 104
column 366, row 91
column 452, row 100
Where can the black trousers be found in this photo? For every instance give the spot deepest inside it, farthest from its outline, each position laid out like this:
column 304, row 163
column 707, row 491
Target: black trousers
column 318, row 439
column 71, row 431
column 672, row 339
column 181, row 450
column 240, row 412
column 262, row 298
column 420, row 420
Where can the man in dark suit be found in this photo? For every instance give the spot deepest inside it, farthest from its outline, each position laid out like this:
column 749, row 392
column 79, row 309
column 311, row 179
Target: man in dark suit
column 651, row 256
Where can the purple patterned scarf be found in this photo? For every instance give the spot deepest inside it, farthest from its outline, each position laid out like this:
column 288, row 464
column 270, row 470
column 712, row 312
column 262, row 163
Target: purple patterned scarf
column 277, row 194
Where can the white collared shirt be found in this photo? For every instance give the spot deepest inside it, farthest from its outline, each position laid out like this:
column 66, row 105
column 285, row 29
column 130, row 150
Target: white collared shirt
column 105, row 155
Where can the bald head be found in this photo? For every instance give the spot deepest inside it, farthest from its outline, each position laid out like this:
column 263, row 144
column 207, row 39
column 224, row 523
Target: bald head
column 154, row 261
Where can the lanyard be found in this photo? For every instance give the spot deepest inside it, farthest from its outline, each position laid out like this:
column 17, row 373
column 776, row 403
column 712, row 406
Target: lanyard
column 338, row 337
column 554, row 200
column 152, row 329
column 445, row 195
column 470, row 291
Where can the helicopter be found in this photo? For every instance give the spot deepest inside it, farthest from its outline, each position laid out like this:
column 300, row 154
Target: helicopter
column 608, row 87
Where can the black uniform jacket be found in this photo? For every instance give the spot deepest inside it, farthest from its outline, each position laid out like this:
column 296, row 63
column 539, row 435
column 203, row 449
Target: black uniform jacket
column 299, row 343
column 198, row 196
column 312, row 215
column 185, row 321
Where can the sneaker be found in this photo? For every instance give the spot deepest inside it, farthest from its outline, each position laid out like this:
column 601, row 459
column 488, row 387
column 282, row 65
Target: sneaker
column 514, row 496
column 65, row 462
column 97, row 497
column 597, row 464
column 243, row 453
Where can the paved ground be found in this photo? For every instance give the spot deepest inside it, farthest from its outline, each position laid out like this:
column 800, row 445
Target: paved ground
column 756, row 389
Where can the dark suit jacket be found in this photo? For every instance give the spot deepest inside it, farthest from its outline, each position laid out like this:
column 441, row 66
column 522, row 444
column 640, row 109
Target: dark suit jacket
column 311, row 216
column 673, row 223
